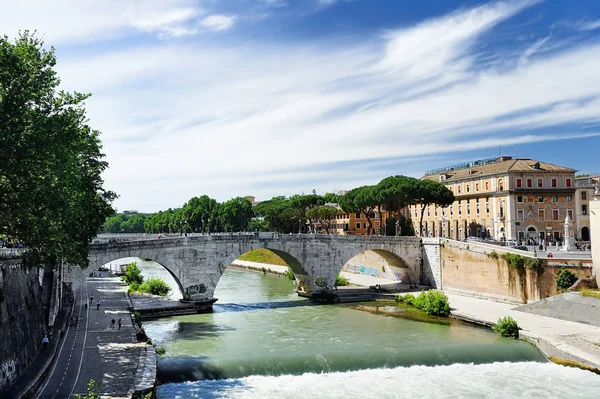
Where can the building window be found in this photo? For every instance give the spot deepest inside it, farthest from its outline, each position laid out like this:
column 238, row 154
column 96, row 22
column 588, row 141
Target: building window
column 584, row 195
column 519, row 184
column 553, row 182
column 569, row 198
column 584, row 209
column 529, row 182
column 477, row 209
column 541, row 214
column 365, row 225
column 459, row 189
column 501, row 211
column 451, row 210
column 377, row 224
column 520, row 198
column 428, row 211
column 568, row 182
column 358, row 215
column 487, row 208
column 467, row 187
column 358, row 225
column 555, row 198
column 468, row 209
column 444, row 211
column 487, row 185
column 459, row 209
column 540, row 198
column 500, row 185
column 520, row 215
column 555, row 214
column 540, row 183
column 476, row 186
column 570, row 213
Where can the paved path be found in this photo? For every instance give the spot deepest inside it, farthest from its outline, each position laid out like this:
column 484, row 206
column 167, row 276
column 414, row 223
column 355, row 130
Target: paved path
column 581, row 341
column 65, row 372
column 111, row 356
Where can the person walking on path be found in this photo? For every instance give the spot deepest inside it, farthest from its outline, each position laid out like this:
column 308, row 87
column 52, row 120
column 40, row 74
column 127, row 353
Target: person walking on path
column 119, row 324
column 112, row 324
column 45, row 342
column 98, row 304
column 91, row 299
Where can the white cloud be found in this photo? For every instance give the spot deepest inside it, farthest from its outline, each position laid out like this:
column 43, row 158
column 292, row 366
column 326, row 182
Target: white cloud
column 587, row 25
column 218, row 22
column 83, row 21
column 186, row 119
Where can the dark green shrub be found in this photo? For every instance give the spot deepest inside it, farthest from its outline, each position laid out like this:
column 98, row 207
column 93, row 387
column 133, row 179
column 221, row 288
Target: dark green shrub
column 155, row 286
column 493, row 255
column 432, row 302
column 133, row 274
column 160, row 351
column 383, row 269
column 341, row 281
column 507, row 327
column 564, row 279
column 290, row 274
column 262, row 269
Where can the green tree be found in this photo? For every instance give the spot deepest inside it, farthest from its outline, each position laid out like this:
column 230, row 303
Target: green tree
column 133, row 274
column 430, row 192
column 235, row 214
column 258, row 224
column 200, row 214
column 323, row 215
column 51, row 191
column 302, row 203
column 397, row 192
column 279, row 213
column 361, row 199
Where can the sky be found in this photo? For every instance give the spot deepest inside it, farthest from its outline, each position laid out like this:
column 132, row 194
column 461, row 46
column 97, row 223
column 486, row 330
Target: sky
column 278, row 97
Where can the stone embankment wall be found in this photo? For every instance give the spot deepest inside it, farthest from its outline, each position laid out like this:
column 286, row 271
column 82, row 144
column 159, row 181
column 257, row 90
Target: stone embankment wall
column 22, row 319
column 468, row 268
column 431, row 272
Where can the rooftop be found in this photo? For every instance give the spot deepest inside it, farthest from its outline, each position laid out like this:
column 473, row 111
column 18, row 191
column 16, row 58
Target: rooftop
column 497, row 165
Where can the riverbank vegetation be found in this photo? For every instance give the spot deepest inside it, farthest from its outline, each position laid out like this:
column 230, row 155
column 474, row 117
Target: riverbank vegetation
column 53, row 200
column 295, row 214
column 507, row 327
column 154, row 286
column 585, row 292
column 565, row 279
column 341, row 281
column 432, row 302
column 263, row 255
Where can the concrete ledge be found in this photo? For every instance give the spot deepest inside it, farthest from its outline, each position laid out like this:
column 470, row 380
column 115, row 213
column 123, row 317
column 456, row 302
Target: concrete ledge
column 145, row 377
column 481, row 295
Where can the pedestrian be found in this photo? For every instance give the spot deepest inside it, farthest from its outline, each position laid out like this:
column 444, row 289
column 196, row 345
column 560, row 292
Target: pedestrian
column 45, row 342
column 112, row 323
column 98, row 304
column 119, row 324
column 91, row 299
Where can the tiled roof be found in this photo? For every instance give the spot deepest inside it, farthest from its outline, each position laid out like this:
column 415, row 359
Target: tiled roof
column 522, row 165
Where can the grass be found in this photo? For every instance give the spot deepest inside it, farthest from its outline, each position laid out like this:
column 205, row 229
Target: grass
column 590, row 292
column 572, row 363
column 262, row 255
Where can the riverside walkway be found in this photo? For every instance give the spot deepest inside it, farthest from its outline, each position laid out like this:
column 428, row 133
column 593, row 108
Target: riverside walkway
column 554, row 337
column 94, row 350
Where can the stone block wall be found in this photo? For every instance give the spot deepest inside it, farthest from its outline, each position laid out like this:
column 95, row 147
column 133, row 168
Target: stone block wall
column 431, row 273
column 22, row 319
column 469, row 269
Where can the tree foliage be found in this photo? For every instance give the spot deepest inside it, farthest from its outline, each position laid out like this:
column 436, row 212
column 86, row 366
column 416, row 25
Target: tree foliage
column 429, row 192
column 133, row 274
column 323, row 215
column 50, row 158
column 125, row 223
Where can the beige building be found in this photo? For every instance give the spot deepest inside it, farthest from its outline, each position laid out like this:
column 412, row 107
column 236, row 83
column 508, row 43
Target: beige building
column 502, row 198
column 585, row 191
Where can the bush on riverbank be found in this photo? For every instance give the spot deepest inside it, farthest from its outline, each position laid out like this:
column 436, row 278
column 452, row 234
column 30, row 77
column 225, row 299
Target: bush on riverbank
column 564, row 279
column 290, row 274
column 432, row 302
column 341, row 281
column 507, row 327
column 133, row 277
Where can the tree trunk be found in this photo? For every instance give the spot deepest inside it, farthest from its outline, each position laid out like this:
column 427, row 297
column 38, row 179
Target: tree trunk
column 380, row 219
column 398, row 232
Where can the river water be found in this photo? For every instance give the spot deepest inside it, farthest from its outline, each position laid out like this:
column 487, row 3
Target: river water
column 263, row 341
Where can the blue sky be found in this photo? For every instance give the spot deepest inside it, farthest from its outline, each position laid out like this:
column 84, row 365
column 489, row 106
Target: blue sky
column 276, row 97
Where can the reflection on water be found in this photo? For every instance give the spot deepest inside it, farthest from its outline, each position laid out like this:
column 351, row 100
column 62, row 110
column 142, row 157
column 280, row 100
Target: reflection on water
column 261, row 327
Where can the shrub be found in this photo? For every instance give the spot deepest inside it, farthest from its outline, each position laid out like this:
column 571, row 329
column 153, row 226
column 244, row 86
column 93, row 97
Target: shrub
column 507, row 327
column 493, row 255
column 133, row 274
column 92, row 389
column 383, row 269
column 564, row 279
column 432, row 302
column 341, row 281
column 262, row 269
column 160, row 351
column 155, row 286
column 290, row 274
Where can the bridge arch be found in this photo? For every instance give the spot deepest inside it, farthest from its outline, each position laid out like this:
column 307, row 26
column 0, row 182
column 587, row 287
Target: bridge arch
column 380, row 263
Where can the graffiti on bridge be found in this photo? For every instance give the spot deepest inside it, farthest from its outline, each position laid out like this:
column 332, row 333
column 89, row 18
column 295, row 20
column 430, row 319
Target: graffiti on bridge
column 195, row 289
column 359, row 269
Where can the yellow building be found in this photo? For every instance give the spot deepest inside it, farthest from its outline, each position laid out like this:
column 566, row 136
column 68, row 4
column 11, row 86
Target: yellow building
column 502, row 198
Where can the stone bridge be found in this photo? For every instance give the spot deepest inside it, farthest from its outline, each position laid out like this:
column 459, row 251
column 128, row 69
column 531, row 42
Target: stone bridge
column 197, row 262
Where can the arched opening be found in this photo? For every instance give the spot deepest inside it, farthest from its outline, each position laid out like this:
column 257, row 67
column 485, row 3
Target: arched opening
column 150, row 269
column 531, row 232
column 260, row 278
column 377, row 266
column 585, row 233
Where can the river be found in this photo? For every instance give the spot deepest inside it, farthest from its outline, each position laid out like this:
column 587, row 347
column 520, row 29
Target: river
column 263, row 341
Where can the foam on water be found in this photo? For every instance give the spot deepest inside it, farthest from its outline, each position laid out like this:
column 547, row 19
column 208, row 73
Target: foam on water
column 493, row 380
